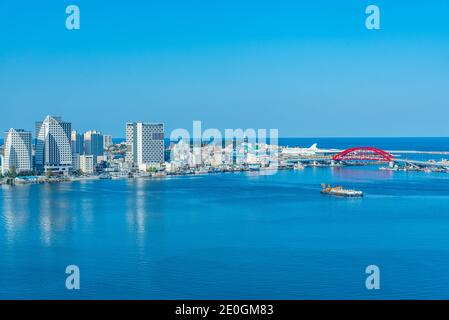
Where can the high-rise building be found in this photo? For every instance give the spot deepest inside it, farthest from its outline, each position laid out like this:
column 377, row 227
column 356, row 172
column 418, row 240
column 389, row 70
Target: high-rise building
column 107, row 141
column 131, row 143
column 17, row 151
column 53, row 145
column 77, row 140
column 145, row 143
column 93, row 144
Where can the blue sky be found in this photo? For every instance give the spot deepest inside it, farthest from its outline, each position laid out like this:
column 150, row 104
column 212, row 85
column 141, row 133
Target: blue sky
column 308, row 68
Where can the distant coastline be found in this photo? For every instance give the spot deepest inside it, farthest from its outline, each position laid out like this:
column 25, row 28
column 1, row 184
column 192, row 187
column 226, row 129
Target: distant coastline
column 386, row 143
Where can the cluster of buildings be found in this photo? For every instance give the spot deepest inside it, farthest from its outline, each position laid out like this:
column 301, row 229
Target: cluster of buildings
column 226, row 155
column 59, row 150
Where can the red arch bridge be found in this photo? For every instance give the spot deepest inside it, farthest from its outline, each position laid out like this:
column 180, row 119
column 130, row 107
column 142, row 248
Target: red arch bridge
column 364, row 154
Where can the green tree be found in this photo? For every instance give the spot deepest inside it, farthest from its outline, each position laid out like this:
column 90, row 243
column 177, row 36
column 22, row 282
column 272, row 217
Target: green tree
column 12, row 173
column 48, row 173
column 151, row 169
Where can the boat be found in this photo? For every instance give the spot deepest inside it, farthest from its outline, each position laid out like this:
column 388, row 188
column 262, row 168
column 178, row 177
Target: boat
column 202, row 171
column 159, row 174
column 254, row 167
column 339, row 191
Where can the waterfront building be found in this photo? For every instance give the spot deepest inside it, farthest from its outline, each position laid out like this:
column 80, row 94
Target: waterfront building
column 77, row 140
column 93, row 144
column 17, row 153
column 87, row 164
column 76, row 162
column 181, row 154
column 107, row 141
column 144, row 143
column 53, row 145
column 2, row 165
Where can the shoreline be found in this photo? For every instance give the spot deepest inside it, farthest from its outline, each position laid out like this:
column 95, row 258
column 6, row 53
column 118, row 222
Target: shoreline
column 193, row 172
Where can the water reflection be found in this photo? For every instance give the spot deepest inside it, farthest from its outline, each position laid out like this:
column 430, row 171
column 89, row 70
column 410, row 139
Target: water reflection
column 140, row 211
column 360, row 173
column 15, row 210
column 54, row 211
column 136, row 210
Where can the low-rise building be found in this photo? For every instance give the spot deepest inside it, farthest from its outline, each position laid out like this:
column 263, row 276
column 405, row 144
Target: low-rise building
column 87, row 164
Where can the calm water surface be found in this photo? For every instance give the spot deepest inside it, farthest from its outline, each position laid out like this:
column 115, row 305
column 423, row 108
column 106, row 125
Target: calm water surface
column 245, row 235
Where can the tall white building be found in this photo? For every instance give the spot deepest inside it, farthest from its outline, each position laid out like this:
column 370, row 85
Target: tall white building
column 17, row 151
column 145, row 143
column 53, row 145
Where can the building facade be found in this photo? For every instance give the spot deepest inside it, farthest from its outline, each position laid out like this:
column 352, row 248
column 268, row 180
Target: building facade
column 93, row 144
column 107, row 141
column 145, row 143
column 76, row 162
column 53, row 145
column 77, row 140
column 2, row 165
column 86, row 163
column 17, row 151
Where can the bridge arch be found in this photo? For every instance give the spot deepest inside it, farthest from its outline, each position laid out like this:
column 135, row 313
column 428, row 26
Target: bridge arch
column 365, row 154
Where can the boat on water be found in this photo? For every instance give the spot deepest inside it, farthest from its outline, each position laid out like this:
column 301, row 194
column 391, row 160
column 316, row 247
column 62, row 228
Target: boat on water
column 159, row 174
column 254, row 167
column 339, row 191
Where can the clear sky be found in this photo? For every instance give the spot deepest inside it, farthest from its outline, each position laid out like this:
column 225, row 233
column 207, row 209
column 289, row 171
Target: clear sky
column 307, row 68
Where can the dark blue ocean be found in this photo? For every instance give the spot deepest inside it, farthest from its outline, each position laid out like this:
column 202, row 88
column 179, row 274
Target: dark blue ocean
column 232, row 236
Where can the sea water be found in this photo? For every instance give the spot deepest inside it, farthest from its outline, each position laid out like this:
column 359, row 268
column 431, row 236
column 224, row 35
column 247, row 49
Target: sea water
column 229, row 236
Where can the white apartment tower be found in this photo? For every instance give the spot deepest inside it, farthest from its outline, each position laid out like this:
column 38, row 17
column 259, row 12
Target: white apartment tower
column 17, row 151
column 145, row 143
column 53, row 145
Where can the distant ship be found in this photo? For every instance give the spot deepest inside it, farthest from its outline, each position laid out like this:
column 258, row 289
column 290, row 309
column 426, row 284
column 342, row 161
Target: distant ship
column 310, row 151
column 339, row 191
column 298, row 166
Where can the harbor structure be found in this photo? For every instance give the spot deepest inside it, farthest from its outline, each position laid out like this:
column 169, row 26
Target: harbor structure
column 144, row 143
column 17, row 151
column 53, row 146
